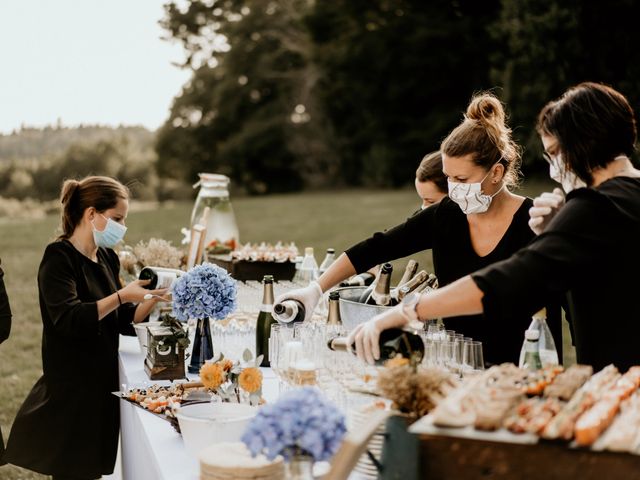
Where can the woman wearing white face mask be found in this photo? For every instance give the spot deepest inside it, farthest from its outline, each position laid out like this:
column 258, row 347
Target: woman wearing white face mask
column 588, row 251
column 68, row 425
column 481, row 222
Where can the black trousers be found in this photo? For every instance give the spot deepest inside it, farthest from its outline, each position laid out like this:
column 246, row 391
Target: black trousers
column 66, row 477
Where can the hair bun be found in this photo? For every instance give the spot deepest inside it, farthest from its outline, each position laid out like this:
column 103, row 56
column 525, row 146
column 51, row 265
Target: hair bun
column 68, row 189
column 486, row 108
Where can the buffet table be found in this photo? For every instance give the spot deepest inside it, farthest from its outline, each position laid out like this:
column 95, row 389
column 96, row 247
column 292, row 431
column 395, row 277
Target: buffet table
column 150, row 448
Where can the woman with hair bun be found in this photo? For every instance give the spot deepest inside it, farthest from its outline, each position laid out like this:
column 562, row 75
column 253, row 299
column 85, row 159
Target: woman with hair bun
column 481, row 222
column 586, row 247
column 68, row 425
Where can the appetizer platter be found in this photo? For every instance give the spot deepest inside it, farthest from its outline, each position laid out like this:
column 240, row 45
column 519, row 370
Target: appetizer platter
column 163, row 400
column 600, row 411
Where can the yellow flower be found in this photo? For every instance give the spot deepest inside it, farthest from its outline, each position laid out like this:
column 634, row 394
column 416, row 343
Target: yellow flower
column 250, row 379
column 397, row 361
column 212, row 375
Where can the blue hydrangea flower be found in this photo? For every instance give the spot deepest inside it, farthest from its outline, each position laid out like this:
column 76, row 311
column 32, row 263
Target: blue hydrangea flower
column 301, row 421
column 205, row 291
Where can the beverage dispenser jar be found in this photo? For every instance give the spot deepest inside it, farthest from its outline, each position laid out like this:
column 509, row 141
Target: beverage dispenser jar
column 213, row 210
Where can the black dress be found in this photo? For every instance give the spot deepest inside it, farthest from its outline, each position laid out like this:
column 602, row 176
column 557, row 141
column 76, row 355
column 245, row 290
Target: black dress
column 444, row 229
column 590, row 250
column 69, row 422
column 5, row 329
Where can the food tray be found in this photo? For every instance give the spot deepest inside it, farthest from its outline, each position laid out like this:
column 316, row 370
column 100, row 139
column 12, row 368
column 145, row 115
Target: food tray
column 199, row 397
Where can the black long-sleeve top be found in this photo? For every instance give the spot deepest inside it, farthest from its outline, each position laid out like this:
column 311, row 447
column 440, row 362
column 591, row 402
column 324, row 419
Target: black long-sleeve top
column 68, row 424
column 5, row 310
column 5, row 329
column 444, row 229
column 590, row 250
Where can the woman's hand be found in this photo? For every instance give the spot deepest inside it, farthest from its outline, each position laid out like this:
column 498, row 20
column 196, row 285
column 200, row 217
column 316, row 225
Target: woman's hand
column 545, row 207
column 366, row 335
column 134, row 292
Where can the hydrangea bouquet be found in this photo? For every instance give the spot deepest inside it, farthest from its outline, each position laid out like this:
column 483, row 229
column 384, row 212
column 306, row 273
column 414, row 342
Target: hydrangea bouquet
column 205, row 291
column 301, row 423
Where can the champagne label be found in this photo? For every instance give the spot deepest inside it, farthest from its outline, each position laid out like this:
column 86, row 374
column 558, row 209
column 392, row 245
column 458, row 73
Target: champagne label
column 166, row 279
column 266, row 308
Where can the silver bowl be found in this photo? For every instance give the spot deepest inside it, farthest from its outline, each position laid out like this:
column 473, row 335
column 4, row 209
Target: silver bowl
column 354, row 313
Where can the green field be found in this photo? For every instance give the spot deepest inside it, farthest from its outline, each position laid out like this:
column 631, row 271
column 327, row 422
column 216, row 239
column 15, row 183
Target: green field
column 321, row 220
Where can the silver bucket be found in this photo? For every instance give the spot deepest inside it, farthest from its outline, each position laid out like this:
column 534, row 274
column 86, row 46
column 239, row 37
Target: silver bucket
column 354, row 313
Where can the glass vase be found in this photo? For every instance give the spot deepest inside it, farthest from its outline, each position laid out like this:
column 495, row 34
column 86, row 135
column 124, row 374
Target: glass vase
column 202, row 346
column 300, row 467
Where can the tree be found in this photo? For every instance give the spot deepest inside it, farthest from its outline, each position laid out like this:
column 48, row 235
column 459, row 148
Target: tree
column 249, row 110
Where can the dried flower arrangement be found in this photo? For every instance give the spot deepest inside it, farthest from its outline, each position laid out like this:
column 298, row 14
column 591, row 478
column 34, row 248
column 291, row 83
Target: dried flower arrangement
column 415, row 390
column 156, row 252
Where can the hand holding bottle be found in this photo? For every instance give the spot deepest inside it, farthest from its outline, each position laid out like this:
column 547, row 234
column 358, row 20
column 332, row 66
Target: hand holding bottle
column 545, row 207
column 136, row 291
column 309, row 296
column 366, row 336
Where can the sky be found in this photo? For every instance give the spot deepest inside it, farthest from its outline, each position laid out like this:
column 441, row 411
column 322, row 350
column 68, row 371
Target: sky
column 86, row 61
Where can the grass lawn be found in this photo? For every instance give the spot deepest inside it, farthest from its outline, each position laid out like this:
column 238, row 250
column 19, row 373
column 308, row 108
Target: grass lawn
column 321, row 220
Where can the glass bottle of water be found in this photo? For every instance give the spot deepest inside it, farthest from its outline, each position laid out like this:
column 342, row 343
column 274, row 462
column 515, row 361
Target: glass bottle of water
column 531, row 360
column 546, row 344
column 329, row 258
column 213, row 208
column 308, row 270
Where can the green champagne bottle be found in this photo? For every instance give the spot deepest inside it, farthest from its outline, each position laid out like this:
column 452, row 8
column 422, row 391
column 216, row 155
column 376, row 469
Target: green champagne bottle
column 265, row 320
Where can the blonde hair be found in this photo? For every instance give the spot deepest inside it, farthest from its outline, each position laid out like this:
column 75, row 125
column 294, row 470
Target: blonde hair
column 76, row 196
column 484, row 134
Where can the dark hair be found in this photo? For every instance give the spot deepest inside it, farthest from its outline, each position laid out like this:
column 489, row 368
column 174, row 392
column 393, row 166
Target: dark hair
column 593, row 124
column 101, row 193
column 430, row 169
column 485, row 134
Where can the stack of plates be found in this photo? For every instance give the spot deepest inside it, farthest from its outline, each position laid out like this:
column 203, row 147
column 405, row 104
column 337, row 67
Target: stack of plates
column 232, row 460
column 365, row 467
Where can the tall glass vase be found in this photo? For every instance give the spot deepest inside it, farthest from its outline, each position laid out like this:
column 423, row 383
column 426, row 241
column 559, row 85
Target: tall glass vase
column 300, row 467
column 202, row 346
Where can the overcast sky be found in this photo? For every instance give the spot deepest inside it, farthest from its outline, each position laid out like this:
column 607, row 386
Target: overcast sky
column 85, row 61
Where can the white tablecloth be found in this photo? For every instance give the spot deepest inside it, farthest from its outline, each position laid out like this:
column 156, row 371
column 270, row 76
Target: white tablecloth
column 150, row 448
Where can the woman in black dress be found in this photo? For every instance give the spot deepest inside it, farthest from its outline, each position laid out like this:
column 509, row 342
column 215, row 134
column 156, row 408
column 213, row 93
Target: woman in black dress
column 481, row 222
column 589, row 249
column 68, row 425
column 5, row 329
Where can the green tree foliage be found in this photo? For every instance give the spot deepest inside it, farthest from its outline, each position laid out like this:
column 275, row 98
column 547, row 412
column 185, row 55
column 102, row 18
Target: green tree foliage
column 293, row 92
column 130, row 158
column 249, row 110
column 550, row 45
column 399, row 74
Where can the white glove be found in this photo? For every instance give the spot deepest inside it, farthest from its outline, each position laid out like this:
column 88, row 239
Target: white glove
column 545, row 207
column 309, row 296
column 366, row 336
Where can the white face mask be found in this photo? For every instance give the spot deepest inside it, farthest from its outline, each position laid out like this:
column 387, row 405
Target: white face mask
column 469, row 196
column 564, row 177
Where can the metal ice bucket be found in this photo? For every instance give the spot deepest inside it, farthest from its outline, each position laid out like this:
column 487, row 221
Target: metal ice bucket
column 353, row 312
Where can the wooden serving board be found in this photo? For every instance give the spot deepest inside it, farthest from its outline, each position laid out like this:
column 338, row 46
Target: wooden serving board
column 436, row 456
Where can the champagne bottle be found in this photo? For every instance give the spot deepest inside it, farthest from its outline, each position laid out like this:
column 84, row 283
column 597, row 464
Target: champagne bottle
column 265, row 320
column 334, row 309
column 403, row 289
column 329, row 258
column 431, row 283
column 159, row 277
column 393, row 342
column 409, row 272
column 289, row 312
column 532, row 350
column 363, row 279
column 381, row 293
